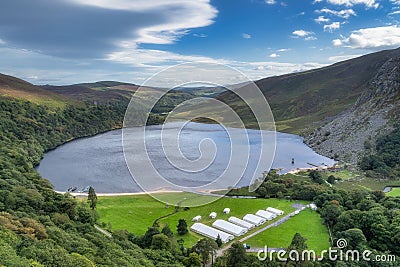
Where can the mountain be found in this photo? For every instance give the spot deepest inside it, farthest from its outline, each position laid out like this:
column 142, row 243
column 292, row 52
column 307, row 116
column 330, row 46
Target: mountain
column 374, row 114
column 99, row 92
column 16, row 88
column 301, row 102
column 340, row 109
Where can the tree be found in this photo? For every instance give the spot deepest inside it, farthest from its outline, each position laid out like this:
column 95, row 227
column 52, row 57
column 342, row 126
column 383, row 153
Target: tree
column 92, row 198
column 236, row 255
column 331, row 179
column 147, row 238
column 182, row 227
column 160, row 241
column 298, row 243
column 204, row 248
column 218, row 241
column 193, row 260
column 167, row 231
column 316, row 177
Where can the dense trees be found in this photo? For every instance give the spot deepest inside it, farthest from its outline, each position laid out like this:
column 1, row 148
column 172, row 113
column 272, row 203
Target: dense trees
column 39, row 227
column 385, row 160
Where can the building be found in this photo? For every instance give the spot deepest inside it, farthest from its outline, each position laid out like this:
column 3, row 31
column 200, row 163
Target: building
column 276, row 211
column 196, row 219
column 254, row 219
column 266, row 215
column 241, row 222
column 210, row 232
column 227, row 210
column 229, row 228
column 313, row 206
column 213, row 215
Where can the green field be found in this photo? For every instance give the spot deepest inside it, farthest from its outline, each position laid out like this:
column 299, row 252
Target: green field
column 137, row 213
column 395, row 192
column 308, row 223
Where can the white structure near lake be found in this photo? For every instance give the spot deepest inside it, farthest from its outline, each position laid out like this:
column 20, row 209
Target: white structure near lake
column 266, row 215
column 230, row 228
column 210, row 232
column 276, row 211
column 241, row 222
column 196, row 219
column 256, row 220
column 213, row 215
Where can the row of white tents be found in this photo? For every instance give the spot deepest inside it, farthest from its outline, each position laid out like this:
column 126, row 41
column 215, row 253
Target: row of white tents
column 227, row 230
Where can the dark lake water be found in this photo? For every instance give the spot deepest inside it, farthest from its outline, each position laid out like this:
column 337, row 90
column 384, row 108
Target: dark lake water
column 99, row 161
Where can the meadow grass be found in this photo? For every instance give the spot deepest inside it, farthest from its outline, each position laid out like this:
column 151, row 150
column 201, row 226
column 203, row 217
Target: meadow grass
column 137, row 213
column 308, row 223
column 395, row 192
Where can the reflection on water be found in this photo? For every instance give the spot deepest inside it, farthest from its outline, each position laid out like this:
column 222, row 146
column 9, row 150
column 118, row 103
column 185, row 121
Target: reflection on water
column 99, row 161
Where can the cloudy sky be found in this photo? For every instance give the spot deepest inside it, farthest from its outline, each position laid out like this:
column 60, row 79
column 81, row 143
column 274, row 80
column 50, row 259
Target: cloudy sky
column 71, row 41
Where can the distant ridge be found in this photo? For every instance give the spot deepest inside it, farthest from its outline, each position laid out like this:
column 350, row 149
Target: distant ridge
column 16, row 88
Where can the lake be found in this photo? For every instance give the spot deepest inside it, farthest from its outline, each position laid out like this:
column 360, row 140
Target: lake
column 99, row 161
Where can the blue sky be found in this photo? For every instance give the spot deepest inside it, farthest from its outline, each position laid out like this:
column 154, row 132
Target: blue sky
column 71, row 41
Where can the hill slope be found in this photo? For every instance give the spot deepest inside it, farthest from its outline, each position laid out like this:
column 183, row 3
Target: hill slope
column 302, row 101
column 16, row 88
column 377, row 109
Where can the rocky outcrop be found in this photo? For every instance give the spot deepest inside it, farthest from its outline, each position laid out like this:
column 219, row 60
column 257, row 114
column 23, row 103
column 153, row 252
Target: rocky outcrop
column 349, row 134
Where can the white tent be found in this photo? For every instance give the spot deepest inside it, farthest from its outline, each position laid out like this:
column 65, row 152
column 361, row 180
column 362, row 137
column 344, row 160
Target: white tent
column 196, row 219
column 230, row 228
column 251, row 218
column 241, row 223
column 276, row 211
column 210, row 232
column 227, row 210
column 266, row 214
column 213, row 215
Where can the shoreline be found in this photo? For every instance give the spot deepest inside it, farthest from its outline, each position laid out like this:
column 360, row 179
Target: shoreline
column 78, row 194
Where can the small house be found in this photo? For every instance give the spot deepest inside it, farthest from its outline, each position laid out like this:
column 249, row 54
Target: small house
column 213, row 215
column 196, row 219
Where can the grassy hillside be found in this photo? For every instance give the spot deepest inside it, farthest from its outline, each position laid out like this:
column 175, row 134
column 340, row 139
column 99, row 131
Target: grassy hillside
column 126, row 212
column 16, row 88
column 301, row 100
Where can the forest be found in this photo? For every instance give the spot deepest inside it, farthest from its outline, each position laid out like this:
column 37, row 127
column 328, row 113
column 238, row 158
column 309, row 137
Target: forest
column 39, row 227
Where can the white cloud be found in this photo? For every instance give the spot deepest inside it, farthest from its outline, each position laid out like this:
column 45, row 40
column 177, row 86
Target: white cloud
column 397, row 12
column 302, row 33
column 182, row 15
column 246, row 36
column 331, row 27
column 372, row 38
column 349, row 3
column 274, row 55
column 283, row 50
column 200, row 35
column 270, row 2
column 342, row 57
column 321, row 19
column 307, row 35
column 345, row 13
column 2, row 42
